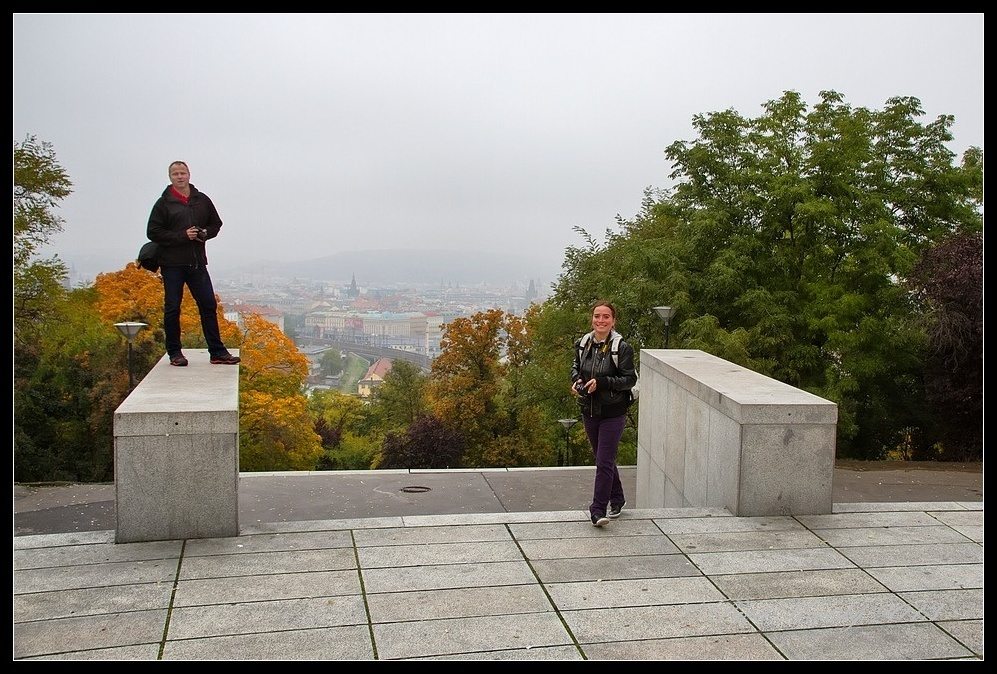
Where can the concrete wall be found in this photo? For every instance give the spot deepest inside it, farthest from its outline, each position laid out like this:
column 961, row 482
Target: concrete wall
column 712, row 433
column 176, row 453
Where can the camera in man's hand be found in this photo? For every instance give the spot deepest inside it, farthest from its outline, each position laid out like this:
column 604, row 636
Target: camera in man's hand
column 202, row 233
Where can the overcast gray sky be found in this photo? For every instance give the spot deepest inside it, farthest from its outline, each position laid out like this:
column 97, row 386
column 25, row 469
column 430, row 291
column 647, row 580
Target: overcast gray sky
column 317, row 134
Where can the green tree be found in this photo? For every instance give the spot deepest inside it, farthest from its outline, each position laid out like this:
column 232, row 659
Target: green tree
column 401, row 397
column 65, row 393
column 40, row 183
column 350, row 440
column 784, row 246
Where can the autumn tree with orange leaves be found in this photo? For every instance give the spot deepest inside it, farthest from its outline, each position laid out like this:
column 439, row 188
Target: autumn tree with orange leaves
column 470, row 389
column 136, row 294
column 276, row 430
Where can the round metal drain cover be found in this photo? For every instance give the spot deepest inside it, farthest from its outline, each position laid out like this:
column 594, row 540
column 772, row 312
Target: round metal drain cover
column 415, row 490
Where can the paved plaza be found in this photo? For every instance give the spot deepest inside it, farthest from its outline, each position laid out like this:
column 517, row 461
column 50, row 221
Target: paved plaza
column 886, row 580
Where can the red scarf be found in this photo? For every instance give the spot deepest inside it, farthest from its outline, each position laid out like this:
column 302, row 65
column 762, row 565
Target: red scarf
column 179, row 196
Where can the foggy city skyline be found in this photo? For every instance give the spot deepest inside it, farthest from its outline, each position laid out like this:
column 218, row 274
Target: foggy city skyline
column 321, row 135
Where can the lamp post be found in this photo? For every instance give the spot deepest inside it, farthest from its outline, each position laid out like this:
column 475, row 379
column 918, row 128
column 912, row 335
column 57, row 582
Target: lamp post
column 666, row 314
column 129, row 329
column 567, row 423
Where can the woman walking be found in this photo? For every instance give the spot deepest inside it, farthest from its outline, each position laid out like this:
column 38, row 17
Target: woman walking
column 602, row 375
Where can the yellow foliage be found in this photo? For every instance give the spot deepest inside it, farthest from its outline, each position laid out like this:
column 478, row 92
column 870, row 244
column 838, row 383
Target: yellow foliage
column 271, row 362
column 136, row 294
column 276, row 433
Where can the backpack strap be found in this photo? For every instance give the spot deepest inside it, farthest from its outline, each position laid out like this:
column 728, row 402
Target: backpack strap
column 615, row 348
column 584, row 342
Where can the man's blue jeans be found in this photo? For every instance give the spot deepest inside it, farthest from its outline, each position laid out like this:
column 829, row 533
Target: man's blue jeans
column 197, row 279
column 604, row 435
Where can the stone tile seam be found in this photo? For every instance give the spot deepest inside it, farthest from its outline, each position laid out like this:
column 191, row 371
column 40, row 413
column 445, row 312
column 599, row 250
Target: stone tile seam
column 169, row 610
column 957, row 639
column 363, row 595
column 550, row 600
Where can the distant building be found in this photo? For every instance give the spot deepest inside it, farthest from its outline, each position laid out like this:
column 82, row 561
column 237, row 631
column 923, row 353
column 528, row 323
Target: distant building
column 531, row 292
column 374, row 377
column 237, row 311
column 353, row 292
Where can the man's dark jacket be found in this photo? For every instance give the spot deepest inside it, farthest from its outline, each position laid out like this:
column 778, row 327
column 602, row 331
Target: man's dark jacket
column 168, row 224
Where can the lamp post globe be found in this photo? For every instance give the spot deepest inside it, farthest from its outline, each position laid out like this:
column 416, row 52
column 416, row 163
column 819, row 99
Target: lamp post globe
column 129, row 330
column 567, row 423
column 665, row 314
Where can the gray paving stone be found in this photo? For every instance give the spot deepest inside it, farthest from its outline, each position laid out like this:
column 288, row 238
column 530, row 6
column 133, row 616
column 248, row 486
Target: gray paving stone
column 643, row 592
column 438, row 553
column 897, row 506
column 722, row 525
column 95, row 553
column 655, row 622
column 140, row 652
column 262, row 588
column 784, row 584
column 969, row 505
column 467, row 602
column 964, row 518
column 832, row 611
column 841, row 538
column 91, row 601
column 947, row 604
column 44, row 637
column 545, row 653
column 930, row 577
column 494, row 518
column 57, row 540
column 917, row 641
column 319, row 525
column 867, row 519
column 94, row 575
column 748, row 540
column 351, row 642
column 468, row 635
column 914, row 555
column 621, row 527
column 265, row 616
column 676, row 513
column 973, row 533
column 443, row 576
column 318, row 540
column 601, row 546
column 478, row 533
column 969, row 632
column 265, row 563
column 613, row 568
column 755, row 561
column 724, row 647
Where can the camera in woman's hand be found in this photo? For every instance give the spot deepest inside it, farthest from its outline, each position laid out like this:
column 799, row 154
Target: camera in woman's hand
column 580, row 389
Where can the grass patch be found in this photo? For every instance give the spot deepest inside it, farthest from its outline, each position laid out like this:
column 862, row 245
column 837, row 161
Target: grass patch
column 353, row 371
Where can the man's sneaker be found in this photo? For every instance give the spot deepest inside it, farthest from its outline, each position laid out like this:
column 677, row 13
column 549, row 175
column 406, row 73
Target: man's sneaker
column 599, row 520
column 227, row 359
column 178, row 360
column 614, row 511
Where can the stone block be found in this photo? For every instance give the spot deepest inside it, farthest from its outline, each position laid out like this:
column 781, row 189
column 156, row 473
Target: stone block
column 176, row 453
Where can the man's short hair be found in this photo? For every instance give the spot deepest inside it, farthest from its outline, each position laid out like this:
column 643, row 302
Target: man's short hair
column 174, row 163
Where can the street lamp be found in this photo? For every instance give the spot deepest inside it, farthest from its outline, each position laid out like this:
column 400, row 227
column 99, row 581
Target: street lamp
column 567, row 423
column 666, row 314
column 129, row 329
